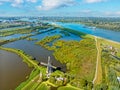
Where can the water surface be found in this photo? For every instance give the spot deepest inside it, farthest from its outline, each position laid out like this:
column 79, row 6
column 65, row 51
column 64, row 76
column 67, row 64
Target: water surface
column 38, row 52
column 12, row 70
column 108, row 34
column 12, row 36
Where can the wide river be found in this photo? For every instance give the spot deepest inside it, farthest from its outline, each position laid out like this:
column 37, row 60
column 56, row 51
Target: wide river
column 108, row 34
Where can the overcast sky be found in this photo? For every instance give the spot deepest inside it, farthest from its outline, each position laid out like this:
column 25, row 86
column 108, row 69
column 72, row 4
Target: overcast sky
column 79, row 8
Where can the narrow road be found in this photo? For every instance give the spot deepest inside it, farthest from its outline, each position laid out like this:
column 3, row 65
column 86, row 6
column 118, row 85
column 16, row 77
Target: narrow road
column 98, row 73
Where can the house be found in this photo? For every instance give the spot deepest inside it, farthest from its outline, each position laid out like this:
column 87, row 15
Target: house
column 118, row 78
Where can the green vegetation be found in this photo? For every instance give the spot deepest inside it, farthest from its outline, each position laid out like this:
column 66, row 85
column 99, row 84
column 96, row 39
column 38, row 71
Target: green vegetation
column 110, row 65
column 115, row 26
column 24, row 37
column 13, row 24
column 68, row 87
column 73, row 31
column 34, row 81
column 43, row 86
column 48, row 39
column 45, row 41
column 26, row 58
column 79, row 61
column 31, row 39
column 38, row 78
column 98, row 73
column 15, row 31
column 22, row 30
column 65, row 33
column 79, row 57
column 32, row 75
column 15, row 39
column 78, row 33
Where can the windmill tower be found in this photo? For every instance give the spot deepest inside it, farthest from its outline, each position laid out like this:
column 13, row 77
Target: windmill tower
column 49, row 67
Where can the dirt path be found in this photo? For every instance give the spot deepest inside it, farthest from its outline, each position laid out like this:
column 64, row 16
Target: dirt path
column 98, row 73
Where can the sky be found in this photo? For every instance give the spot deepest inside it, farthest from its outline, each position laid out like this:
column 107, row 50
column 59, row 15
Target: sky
column 69, row 8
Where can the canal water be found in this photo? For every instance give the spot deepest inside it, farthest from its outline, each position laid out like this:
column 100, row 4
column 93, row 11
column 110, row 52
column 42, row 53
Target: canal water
column 40, row 53
column 12, row 70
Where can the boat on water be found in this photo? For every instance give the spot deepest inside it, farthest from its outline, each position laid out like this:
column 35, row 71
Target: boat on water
column 89, row 27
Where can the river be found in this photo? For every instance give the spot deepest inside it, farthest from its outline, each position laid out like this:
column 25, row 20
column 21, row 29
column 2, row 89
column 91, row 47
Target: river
column 108, row 34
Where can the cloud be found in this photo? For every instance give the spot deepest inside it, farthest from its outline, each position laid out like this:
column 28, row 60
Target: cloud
column 108, row 13
column 53, row 4
column 5, row 0
column 94, row 1
column 33, row 1
column 17, row 3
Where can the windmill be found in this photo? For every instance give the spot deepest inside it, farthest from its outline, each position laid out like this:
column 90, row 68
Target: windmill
column 49, row 67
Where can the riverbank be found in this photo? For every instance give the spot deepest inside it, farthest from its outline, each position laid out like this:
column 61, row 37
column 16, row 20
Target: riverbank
column 31, row 63
column 26, row 58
